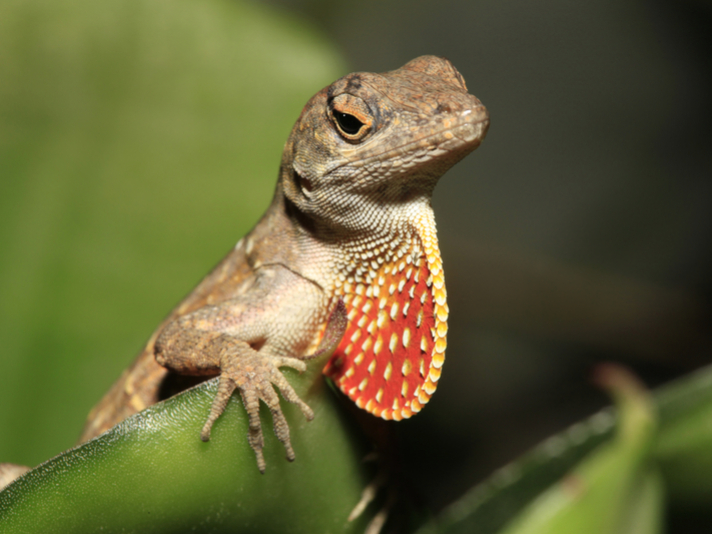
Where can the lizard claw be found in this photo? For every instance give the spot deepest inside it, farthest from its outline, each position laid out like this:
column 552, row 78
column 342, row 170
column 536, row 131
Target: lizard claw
column 255, row 375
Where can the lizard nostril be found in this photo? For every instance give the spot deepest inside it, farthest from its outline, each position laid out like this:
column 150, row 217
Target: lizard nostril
column 443, row 108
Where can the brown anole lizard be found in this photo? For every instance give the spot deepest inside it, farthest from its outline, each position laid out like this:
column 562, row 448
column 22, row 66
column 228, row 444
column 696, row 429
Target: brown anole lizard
column 346, row 257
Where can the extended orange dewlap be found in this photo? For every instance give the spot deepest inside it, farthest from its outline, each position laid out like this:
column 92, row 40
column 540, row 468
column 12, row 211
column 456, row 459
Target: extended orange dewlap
column 390, row 357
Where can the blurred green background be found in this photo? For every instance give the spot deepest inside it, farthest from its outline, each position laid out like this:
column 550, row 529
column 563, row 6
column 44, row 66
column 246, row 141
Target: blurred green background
column 139, row 139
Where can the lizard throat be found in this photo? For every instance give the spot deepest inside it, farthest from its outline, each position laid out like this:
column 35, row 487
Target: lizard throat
column 390, row 358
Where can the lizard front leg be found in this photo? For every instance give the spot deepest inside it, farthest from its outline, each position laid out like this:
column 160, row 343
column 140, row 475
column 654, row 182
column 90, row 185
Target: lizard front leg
column 246, row 340
column 252, row 373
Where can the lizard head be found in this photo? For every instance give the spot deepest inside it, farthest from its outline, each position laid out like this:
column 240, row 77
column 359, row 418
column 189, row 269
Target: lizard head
column 369, row 145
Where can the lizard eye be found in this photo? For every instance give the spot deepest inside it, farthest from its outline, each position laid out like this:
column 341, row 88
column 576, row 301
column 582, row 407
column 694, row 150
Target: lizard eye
column 348, row 124
column 351, row 117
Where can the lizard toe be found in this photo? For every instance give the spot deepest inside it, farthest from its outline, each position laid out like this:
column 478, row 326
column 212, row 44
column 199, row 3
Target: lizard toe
column 288, row 393
column 280, row 425
column 255, row 438
column 294, row 363
column 225, row 388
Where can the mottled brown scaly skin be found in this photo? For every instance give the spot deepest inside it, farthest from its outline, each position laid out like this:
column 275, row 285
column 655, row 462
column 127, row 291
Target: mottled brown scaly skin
column 354, row 189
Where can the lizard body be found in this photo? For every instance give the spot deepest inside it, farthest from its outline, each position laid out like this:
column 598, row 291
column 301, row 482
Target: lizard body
column 346, row 256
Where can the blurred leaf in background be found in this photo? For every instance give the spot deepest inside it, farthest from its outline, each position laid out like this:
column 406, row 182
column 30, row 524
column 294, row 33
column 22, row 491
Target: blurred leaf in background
column 641, row 468
column 139, row 139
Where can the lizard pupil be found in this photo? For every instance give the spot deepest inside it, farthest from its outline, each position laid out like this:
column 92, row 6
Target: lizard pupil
column 348, row 124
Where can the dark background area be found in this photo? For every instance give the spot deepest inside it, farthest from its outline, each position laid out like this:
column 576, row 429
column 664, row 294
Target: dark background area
column 579, row 231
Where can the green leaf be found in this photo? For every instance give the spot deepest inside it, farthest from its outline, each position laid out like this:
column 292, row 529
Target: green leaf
column 487, row 507
column 683, row 449
column 153, row 474
column 672, row 463
column 645, row 506
column 612, row 484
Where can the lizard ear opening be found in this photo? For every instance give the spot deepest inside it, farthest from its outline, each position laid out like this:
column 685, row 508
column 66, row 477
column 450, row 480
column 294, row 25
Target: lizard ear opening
column 303, row 184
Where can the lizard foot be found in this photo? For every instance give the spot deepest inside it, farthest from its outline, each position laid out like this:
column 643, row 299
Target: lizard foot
column 255, row 376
